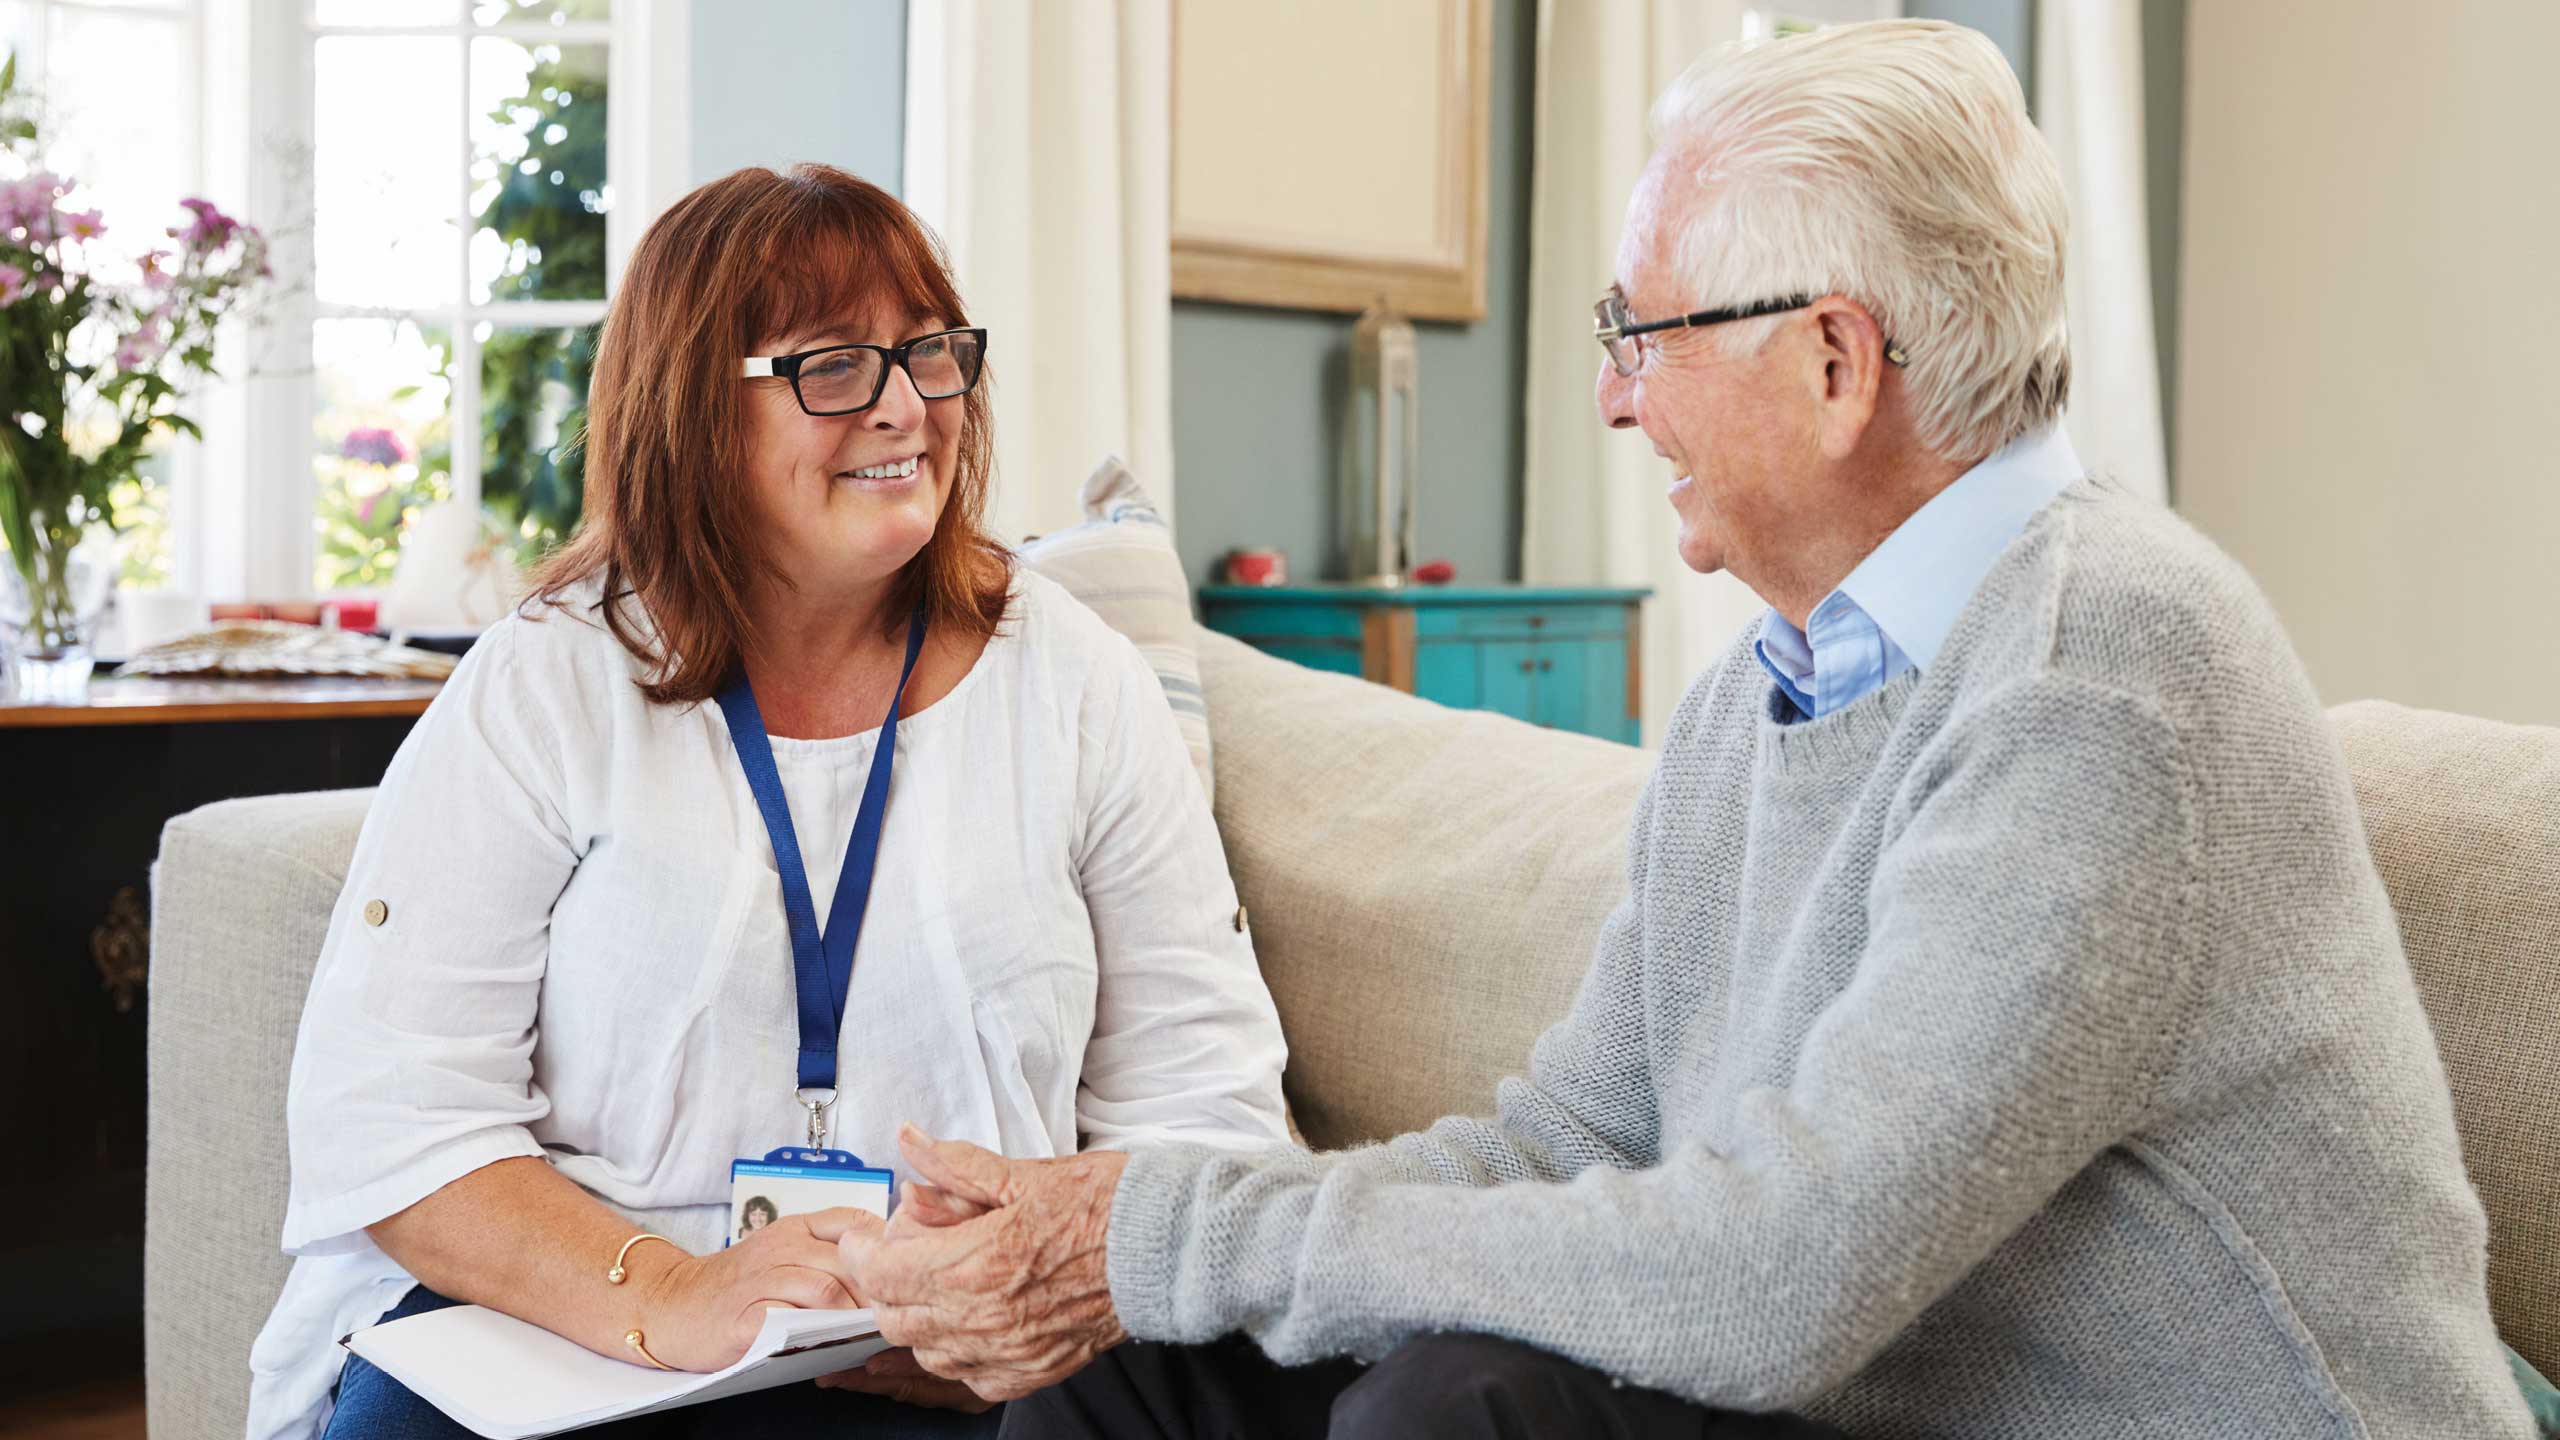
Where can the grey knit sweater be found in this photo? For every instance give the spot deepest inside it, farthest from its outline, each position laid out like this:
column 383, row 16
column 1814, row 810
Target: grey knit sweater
column 2024, row 1050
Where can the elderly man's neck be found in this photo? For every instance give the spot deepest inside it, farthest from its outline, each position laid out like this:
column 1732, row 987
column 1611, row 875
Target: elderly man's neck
column 1848, row 509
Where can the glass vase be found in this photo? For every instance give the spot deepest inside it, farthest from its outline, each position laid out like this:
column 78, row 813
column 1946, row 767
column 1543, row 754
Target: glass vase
column 55, row 601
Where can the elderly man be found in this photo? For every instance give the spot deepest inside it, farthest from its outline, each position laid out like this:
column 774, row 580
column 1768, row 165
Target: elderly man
column 2005, row 1032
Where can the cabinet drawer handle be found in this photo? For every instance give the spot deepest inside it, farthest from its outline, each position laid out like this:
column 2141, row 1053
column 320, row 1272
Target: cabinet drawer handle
column 1545, row 665
column 1537, row 622
column 1528, row 665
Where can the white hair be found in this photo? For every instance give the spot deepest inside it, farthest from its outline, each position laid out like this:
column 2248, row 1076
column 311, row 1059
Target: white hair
column 1892, row 163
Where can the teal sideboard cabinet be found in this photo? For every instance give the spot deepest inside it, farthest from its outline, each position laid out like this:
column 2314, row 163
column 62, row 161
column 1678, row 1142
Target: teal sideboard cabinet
column 1563, row 658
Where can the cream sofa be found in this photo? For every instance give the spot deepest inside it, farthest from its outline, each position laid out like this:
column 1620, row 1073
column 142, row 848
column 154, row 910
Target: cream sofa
column 1424, row 886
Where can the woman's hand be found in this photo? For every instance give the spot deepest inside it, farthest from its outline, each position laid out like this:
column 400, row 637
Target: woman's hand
column 703, row 1311
column 896, row 1373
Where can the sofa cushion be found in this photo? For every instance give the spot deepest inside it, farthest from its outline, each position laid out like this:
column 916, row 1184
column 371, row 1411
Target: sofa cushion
column 1121, row 563
column 2464, row 819
column 1425, row 884
column 241, row 896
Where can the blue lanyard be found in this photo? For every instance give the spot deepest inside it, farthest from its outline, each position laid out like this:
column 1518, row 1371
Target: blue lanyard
column 822, row 965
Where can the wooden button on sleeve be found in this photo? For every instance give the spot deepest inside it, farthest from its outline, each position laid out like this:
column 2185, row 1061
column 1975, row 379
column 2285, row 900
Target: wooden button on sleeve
column 375, row 912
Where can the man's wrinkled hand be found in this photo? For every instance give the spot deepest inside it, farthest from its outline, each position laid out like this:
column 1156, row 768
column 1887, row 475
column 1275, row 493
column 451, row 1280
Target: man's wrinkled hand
column 896, row 1375
column 999, row 1279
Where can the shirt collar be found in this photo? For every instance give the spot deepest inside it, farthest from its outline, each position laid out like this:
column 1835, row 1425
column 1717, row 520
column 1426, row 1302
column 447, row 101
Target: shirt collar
column 1915, row 584
column 1787, row 654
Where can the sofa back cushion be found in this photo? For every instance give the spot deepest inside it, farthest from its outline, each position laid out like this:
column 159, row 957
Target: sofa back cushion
column 2464, row 819
column 1425, row 884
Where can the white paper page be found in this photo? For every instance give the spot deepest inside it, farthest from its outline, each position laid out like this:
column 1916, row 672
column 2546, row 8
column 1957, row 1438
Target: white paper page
column 823, row 1357
column 509, row 1380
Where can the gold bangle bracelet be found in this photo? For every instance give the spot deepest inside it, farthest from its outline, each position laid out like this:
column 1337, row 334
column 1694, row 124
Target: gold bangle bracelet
column 617, row 1274
column 636, row 1341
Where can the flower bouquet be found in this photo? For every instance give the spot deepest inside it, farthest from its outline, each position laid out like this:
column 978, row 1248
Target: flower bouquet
column 97, row 346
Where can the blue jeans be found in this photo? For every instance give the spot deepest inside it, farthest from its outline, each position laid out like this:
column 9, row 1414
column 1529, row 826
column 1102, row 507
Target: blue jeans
column 373, row 1406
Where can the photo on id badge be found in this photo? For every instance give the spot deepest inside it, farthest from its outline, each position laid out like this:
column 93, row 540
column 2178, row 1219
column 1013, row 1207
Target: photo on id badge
column 796, row 1181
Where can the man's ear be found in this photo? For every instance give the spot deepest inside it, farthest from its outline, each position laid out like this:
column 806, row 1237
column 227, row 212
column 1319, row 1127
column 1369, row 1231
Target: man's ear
column 1853, row 372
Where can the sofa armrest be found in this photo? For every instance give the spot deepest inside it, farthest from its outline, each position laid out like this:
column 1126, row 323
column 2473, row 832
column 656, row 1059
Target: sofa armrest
column 241, row 897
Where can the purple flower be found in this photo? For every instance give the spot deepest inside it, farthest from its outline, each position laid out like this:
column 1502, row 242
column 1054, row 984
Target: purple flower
column 210, row 230
column 13, row 284
column 28, row 205
column 84, row 224
column 375, row 445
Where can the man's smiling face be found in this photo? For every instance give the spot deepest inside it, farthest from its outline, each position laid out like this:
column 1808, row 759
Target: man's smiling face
column 1734, row 426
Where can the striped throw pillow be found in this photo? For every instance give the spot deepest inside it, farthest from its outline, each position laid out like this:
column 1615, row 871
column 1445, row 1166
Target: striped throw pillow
column 1121, row 563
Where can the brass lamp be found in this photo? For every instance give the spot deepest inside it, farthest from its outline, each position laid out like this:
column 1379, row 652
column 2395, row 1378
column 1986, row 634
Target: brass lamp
column 1382, row 449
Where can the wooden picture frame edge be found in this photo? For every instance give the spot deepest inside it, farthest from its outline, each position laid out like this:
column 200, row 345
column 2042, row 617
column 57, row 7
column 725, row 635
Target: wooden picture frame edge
column 1238, row 273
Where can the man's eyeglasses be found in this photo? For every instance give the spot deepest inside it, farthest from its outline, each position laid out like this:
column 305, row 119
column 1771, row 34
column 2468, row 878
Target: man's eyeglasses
column 841, row 379
column 1616, row 330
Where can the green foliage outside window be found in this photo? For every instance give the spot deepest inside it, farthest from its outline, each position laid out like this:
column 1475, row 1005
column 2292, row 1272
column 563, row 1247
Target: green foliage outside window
column 535, row 483
column 533, row 382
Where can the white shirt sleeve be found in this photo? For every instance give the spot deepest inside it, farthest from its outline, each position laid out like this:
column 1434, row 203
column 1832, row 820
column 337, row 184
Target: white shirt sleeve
column 1186, row 1044
column 414, row 1065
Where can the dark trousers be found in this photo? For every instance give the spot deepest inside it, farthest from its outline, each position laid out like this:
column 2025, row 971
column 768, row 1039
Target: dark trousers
column 373, row 1406
column 1437, row 1387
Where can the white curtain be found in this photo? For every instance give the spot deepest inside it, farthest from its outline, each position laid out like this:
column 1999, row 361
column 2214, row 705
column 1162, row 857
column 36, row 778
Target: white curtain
column 1593, row 507
column 1037, row 147
column 2089, row 104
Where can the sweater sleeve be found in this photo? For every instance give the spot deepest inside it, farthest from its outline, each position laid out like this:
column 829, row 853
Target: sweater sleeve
column 2022, row 985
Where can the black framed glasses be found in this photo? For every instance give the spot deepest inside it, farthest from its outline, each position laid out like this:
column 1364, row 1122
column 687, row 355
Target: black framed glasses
column 841, row 379
column 1616, row 329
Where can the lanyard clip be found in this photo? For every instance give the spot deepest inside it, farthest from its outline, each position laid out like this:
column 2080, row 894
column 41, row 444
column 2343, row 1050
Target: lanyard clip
column 818, row 1109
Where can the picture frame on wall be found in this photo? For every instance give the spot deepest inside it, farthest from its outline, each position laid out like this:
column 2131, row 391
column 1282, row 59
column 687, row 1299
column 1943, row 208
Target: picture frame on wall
column 1328, row 154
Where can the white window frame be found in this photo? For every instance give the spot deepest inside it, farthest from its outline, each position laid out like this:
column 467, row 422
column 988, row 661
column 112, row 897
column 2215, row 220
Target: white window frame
column 251, row 523
column 188, row 17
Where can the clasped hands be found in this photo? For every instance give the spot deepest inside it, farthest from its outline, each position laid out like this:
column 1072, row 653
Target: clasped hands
column 991, row 1280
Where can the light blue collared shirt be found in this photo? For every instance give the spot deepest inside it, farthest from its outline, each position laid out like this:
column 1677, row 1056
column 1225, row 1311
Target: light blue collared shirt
column 1894, row 611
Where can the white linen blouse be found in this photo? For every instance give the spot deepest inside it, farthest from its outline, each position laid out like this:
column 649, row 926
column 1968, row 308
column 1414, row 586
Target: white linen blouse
column 579, row 951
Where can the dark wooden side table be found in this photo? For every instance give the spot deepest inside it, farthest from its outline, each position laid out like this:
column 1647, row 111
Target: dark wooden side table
column 84, row 790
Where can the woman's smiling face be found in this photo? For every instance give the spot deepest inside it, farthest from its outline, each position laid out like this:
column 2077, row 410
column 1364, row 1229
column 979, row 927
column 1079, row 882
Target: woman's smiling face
column 845, row 501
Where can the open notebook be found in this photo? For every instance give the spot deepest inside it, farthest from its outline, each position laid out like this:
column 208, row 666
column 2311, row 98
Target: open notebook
column 508, row 1380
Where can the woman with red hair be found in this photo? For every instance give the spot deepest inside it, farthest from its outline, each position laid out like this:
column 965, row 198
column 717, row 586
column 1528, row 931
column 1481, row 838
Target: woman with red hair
column 598, row 939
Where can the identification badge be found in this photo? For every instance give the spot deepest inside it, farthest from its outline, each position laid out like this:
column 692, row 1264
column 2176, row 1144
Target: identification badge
column 796, row 1180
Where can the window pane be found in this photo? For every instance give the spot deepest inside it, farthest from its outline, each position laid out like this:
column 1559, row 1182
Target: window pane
column 549, row 12
column 537, row 171
column 385, row 181
column 17, row 35
column 387, row 12
column 119, row 108
column 533, row 414
column 141, row 508
column 381, row 441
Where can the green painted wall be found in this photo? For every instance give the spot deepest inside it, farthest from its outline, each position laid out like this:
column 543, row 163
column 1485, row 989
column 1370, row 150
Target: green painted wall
column 2011, row 24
